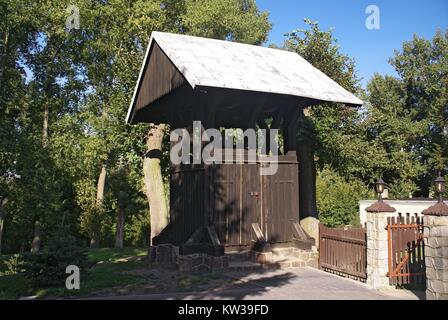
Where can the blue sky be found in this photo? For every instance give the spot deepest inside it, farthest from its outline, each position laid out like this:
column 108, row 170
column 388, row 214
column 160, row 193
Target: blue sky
column 399, row 20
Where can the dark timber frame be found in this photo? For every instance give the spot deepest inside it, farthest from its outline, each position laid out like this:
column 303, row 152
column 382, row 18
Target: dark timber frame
column 230, row 205
column 233, row 199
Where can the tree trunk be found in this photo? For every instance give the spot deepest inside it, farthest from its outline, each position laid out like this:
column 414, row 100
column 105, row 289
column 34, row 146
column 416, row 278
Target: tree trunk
column 3, row 202
column 119, row 235
column 101, row 184
column 307, row 180
column 45, row 126
column 35, row 244
column 3, row 56
column 1, row 232
column 155, row 190
column 2, row 221
column 309, row 218
column 94, row 241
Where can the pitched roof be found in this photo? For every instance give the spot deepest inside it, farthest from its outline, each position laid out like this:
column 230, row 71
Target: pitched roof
column 231, row 65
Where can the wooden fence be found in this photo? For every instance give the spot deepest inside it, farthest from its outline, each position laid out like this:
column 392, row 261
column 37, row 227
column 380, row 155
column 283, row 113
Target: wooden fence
column 406, row 250
column 343, row 251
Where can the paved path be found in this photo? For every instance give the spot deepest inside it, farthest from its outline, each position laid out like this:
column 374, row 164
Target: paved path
column 295, row 284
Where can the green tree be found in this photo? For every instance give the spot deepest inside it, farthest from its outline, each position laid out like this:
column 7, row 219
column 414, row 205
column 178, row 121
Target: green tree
column 324, row 129
column 390, row 125
column 112, row 41
column 235, row 20
column 337, row 198
column 408, row 116
column 422, row 66
column 36, row 58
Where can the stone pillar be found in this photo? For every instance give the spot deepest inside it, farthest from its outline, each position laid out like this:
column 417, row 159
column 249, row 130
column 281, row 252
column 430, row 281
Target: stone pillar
column 377, row 247
column 164, row 254
column 311, row 227
column 435, row 234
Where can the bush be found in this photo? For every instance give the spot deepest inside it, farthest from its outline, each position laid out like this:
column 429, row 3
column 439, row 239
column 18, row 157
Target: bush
column 47, row 267
column 337, row 198
column 13, row 265
column 402, row 189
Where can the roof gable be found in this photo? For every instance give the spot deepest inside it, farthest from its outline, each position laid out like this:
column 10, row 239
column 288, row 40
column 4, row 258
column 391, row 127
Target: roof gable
column 160, row 77
column 174, row 59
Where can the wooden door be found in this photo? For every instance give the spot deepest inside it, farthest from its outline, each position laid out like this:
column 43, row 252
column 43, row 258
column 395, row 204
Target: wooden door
column 237, row 202
column 251, row 202
column 227, row 203
column 280, row 203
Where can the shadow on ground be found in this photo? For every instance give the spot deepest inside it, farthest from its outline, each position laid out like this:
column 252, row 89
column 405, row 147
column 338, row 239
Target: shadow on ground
column 289, row 284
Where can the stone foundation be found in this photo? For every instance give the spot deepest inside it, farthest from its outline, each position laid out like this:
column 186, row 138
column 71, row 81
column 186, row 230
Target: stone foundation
column 436, row 256
column 296, row 258
column 261, row 257
column 201, row 262
column 168, row 256
column 164, row 254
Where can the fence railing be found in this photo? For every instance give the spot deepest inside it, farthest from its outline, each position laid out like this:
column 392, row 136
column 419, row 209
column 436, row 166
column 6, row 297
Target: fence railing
column 343, row 251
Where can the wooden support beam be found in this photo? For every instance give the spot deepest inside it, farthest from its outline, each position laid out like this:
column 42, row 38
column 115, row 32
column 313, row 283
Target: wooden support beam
column 300, row 238
column 260, row 245
column 203, row 240
column 181, row 122
column 258, row 233
column 197, row 236
column 255, row 115
column 277, row 120
column 262, row 124
column 213, row 236
column 290, row 129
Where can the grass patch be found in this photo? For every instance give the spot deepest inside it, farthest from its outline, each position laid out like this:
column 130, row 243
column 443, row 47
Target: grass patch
column 109, row 270
column 113, row 255
column 115, row 272
column 99, row 278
